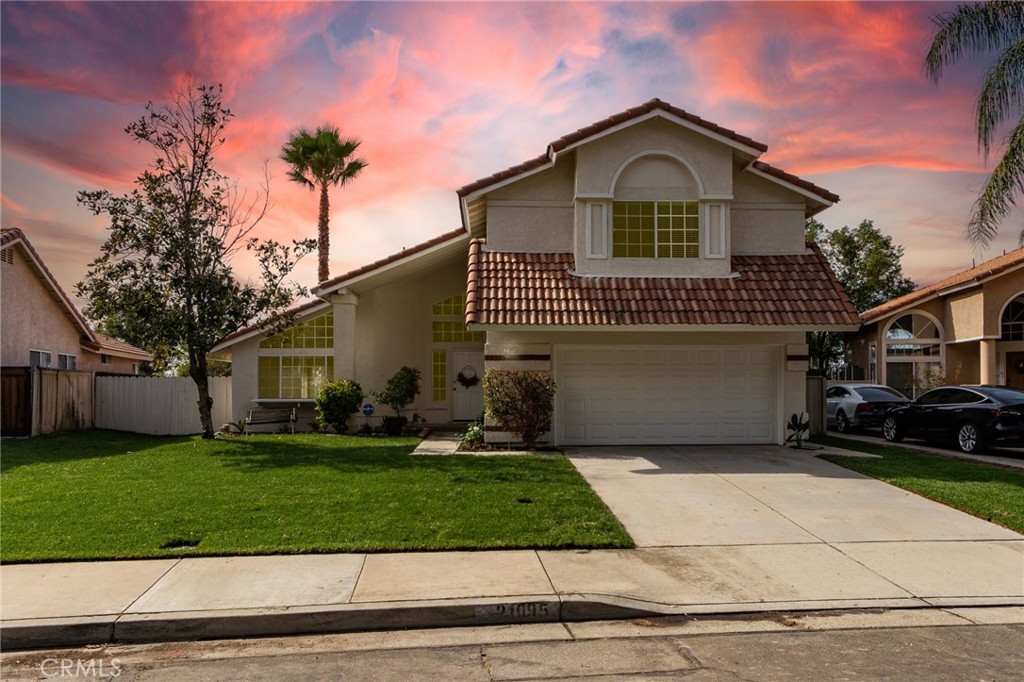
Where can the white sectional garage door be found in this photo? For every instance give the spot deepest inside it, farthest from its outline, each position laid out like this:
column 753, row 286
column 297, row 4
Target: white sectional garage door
column 663, row 395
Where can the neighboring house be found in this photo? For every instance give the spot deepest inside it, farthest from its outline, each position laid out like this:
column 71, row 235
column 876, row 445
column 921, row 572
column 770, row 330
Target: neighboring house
column 41, row 327
column 967, row 328
column 649, row 261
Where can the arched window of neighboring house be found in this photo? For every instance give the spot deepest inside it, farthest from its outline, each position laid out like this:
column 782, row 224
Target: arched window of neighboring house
column 913, row 352
column 1012, row 323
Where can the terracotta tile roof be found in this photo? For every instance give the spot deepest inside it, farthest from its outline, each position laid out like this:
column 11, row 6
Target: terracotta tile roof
column 602, row 125
column 10, row 234
column 539, row 289
column 794, row 180
column 118, row 347
column 404, row 253
column 977, row 274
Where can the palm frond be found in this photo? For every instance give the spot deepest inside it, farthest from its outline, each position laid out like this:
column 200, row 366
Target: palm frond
column 1001, row 94
column 998, row 196
column 973, row 29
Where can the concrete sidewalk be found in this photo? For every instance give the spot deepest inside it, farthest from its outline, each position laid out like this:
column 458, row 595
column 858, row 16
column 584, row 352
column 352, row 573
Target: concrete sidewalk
column 67, row 604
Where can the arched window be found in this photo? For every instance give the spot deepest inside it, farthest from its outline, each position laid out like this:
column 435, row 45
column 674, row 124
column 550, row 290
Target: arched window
column 655, row 211
column 913, row 353
column 1012, row 323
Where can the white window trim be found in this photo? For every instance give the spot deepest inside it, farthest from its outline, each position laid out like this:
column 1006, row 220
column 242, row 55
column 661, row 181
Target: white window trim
column 940, row 341
column 602, row 228
column 709, row 228
column 280, row 373
column 70, row 361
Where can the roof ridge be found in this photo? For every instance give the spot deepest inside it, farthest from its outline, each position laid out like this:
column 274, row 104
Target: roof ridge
column 976, row 273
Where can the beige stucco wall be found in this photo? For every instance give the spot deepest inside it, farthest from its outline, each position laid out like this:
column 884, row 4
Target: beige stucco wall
column 599, row 160
column 962, row 363
column 765, row 217
column 793, row 389
column 535, row 213
column 964, row 315
column 91, row 362
column 30, row 318
column 999, row 292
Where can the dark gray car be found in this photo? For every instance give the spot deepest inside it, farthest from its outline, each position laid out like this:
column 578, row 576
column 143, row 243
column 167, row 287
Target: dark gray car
column 856, row 406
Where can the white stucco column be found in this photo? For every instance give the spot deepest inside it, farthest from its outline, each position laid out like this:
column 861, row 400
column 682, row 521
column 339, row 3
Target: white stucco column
column 344, row 334
column 987, row 361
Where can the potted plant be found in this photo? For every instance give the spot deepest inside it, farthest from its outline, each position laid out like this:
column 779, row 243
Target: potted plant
column 400, row 391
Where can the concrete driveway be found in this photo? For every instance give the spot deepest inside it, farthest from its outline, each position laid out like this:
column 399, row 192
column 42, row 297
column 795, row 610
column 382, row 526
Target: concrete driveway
column 677, row 496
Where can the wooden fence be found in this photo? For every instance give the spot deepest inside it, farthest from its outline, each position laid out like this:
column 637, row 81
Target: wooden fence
column 16, row 401
column 161, row 406
column 63, row 401
column 816, row 403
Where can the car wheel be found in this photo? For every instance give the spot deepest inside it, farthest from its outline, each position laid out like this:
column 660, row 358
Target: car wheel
column 842, row 424
column 969, row 438
column 892, row 430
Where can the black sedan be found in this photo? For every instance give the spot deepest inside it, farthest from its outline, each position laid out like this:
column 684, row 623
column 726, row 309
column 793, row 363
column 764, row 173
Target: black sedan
column 974, row 416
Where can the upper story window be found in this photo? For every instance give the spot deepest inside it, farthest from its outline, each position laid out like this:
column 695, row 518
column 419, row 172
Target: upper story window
column 1012, row 324
column 449, row 325
column 316, row 333
column 655, row 229
column 66, row 361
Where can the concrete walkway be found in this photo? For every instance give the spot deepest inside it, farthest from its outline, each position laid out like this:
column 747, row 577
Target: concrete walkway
column 720, row 531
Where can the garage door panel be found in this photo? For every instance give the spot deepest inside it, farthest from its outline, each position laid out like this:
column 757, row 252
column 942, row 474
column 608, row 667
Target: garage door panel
column 667, row 395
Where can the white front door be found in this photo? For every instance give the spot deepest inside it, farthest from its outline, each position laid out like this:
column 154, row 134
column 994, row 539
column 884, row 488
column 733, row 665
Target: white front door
column 467, row 384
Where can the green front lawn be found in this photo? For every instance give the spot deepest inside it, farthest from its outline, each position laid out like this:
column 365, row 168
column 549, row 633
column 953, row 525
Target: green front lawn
column 111, row 495
column 985, row 491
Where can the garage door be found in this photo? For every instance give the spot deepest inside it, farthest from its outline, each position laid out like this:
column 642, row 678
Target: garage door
column 620, row 396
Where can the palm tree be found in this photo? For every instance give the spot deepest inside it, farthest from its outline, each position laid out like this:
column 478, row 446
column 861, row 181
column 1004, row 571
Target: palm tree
column 976, row 29
column 319, row 160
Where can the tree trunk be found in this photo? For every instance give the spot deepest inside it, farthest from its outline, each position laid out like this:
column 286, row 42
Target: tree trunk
column 324, row 236
column 197, row 370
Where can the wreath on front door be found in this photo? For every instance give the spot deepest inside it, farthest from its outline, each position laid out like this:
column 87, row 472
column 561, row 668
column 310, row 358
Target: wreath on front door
column 1020, row 366
column 467, row 377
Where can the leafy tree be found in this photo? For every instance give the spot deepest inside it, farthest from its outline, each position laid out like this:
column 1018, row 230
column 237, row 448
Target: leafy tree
column 164, row 276
column 320, row 160
column 867, row 264
column 976, row 29
column 214, row 368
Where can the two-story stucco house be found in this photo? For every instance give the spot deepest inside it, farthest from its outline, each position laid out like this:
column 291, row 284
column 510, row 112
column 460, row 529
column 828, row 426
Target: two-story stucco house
column 41, row 327
column 649, row 261
column 967, row 328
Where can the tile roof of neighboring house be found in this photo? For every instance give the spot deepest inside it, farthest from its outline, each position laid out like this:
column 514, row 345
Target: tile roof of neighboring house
column 540, row 289
column 109, row 344
column 89, row 337
column 630, row 114
column 971, row 276
column 404, row 253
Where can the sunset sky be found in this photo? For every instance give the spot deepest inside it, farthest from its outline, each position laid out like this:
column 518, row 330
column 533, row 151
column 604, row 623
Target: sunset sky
column 444, row 93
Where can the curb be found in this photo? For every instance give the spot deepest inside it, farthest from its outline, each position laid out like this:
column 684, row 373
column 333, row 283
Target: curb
column 144, row 628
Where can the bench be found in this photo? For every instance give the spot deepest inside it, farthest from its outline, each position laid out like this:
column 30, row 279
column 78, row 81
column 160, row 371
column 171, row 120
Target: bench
column 264, row 415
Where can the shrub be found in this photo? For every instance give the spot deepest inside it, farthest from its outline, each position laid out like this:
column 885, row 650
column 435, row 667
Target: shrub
column 473, row 437
column 520, row 402
column 401, row 390
column 336, row 402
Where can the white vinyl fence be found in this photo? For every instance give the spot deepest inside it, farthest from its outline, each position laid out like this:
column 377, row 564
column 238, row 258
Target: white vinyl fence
column 160, row 406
